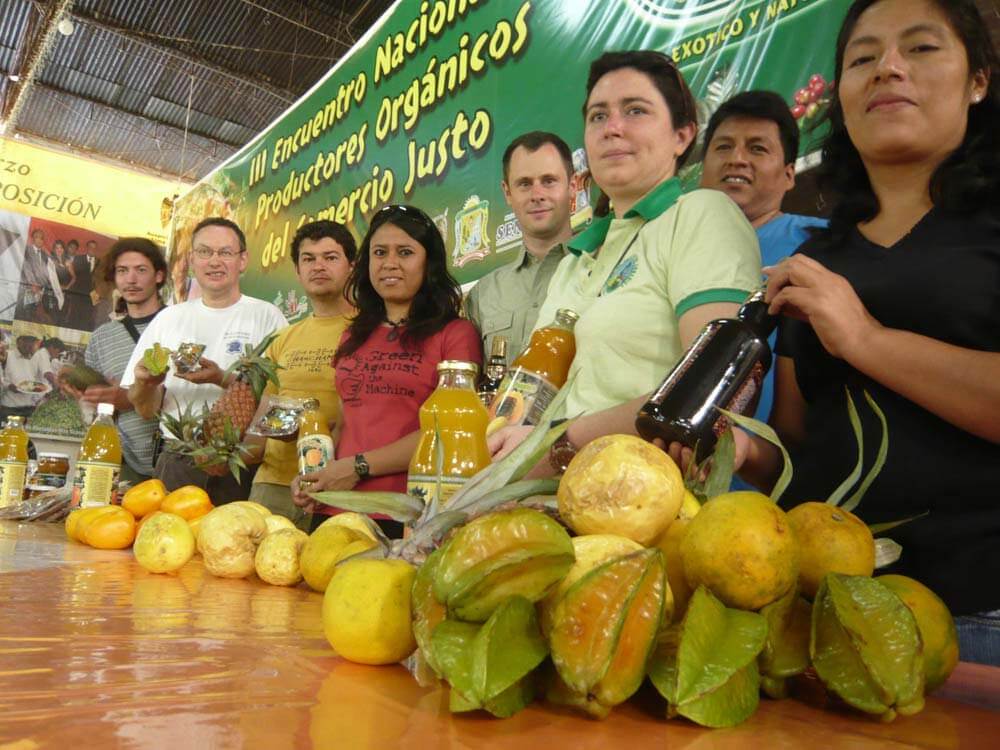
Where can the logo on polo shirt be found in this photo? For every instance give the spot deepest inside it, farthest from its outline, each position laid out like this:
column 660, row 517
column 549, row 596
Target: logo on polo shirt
column 624, row 272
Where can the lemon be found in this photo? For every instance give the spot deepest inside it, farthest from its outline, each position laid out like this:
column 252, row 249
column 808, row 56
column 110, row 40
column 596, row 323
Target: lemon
column 366, row 611
column 356, row 521
column 321, row 551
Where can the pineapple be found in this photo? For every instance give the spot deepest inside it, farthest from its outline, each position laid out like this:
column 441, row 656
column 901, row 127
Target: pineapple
column 213, row 438
column 239, row 401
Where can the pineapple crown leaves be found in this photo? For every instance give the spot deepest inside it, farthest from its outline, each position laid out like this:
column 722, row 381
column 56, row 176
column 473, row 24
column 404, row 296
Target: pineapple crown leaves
column 498, row 483
column 256, row 368
column 208, row 452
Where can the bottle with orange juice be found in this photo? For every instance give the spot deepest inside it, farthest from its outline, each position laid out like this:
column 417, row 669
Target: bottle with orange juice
column 13, row 461
column 315, row 446
column 99, row 462
column 537, row 374
column 456, row 414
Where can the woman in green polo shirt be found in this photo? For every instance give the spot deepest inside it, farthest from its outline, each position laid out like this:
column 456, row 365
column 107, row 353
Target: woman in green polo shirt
column 647, row 277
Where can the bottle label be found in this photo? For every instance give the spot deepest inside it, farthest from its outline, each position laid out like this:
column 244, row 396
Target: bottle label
column 12, row 477
column 315, row 452
column 95, row 484
column 522, row 398
column 52, row 481
column 744, row 401
column 693, row 352
column 425, row 487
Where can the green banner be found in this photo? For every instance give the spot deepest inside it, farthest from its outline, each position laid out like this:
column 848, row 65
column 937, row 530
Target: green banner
column 420, row 112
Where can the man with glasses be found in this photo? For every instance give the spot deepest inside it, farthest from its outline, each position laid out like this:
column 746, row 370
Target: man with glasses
column 223, row 320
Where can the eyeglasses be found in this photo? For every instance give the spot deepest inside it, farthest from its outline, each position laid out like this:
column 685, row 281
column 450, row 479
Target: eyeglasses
column 207, row 253
column 398, row 209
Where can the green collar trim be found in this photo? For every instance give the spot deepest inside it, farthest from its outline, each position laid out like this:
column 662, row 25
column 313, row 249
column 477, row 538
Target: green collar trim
column 653, row 204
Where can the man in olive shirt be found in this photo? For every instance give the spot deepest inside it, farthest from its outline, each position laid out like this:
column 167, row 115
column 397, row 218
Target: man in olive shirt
column 537, row 183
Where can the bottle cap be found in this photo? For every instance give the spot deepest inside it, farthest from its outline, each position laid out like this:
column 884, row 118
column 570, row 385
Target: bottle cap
column 311, row 404
column 457, row 365
column 106, row 410
column 498, row 347
column 570, row 315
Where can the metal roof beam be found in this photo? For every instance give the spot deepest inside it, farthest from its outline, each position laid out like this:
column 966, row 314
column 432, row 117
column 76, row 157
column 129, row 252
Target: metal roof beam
column 285, row 95
column 140, row 115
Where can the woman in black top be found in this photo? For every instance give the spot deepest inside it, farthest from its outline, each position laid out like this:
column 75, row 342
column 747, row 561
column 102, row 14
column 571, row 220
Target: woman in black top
column 901, row 297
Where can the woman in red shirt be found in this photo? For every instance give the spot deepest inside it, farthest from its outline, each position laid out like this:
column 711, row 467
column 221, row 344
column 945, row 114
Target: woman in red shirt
column 408, row 321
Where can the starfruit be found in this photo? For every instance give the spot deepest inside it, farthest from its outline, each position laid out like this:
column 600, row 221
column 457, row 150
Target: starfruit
column 156, row 359
column 428, row 612
column 706, row 665
column 519, row 552
column 490, row 666
column 786, row 650
column 604, row 627
column 866, row 647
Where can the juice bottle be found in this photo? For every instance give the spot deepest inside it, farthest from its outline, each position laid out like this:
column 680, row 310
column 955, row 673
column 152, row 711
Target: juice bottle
column 454, row 412
column 724, row 367
column 537, row 374
column 314, row 446
column 99, row 462
column 13, row 461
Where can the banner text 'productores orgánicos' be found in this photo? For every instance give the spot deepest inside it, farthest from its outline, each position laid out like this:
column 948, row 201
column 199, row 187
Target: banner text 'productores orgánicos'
column 426, row 158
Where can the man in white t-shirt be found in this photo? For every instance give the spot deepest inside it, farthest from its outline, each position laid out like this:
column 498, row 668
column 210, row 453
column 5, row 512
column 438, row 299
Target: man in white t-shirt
column 224, row 320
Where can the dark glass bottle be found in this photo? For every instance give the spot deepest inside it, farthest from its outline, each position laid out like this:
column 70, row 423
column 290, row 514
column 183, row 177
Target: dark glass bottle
column 494, row 370
column 724, row 367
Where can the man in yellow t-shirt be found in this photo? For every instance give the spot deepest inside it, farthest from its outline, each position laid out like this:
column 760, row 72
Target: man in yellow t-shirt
column 323, row 253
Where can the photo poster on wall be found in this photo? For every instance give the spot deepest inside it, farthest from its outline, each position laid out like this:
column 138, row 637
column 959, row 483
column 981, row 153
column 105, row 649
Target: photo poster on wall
column 53, row 294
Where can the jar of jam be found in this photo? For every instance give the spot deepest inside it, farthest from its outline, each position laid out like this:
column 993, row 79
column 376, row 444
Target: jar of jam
column 52, row 470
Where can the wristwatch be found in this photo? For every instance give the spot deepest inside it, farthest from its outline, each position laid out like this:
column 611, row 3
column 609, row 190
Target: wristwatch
column 361, row 467
column 561, row 453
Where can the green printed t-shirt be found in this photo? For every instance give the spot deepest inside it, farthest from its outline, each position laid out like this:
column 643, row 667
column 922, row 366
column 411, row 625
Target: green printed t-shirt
column 305, row 350
column 668, row 254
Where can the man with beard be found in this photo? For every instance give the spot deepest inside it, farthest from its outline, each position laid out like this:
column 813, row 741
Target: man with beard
column 537, row 183
column 137, row 269
column 323, row 253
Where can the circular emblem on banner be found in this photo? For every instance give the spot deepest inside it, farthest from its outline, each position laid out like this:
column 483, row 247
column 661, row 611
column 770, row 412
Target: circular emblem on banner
column 672, row 12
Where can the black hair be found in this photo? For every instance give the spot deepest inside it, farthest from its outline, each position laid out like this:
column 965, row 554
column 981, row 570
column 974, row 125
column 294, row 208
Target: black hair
column 218, row 221
column 532, row 142
column 760, row 105
column 436, row 304
column 317, row 230
column 55, row 343
column 74, row 243
column 965, row 182
column 140, row 245
column 663, row 72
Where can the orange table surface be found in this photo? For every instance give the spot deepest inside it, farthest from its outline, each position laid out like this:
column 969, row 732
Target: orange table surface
column 97, row 653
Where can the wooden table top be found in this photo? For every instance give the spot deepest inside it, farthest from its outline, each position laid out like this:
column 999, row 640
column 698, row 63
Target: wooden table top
column 97, row 653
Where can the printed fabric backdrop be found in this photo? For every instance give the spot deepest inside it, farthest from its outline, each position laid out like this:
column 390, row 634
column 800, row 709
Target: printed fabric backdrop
column 59, row 215
column 423, row 107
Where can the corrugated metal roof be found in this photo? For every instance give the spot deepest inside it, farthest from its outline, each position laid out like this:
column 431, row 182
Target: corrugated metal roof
column 119, row 85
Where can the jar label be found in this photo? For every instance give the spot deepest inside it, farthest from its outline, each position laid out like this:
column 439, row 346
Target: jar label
column 12, row 476
column 95, row 484
column 425, row 487
column 315, row 452
column 523, row 397
column 52, row 481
